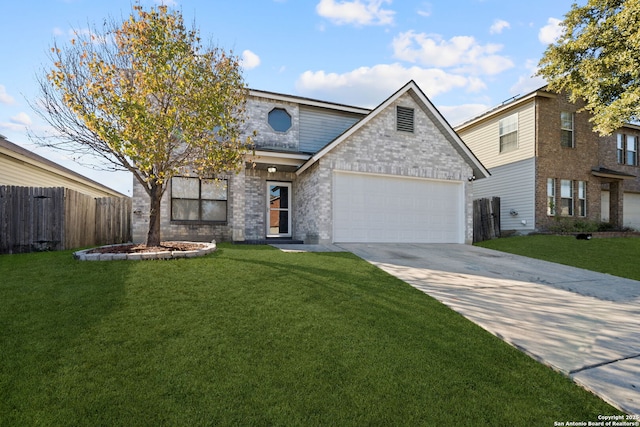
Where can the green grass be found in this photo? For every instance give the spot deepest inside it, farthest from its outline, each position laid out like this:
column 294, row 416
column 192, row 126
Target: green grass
column 616, row 256
column 252, row 336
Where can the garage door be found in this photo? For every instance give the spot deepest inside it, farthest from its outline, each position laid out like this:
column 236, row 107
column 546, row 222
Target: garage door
column 383, row 208
column 630, row 211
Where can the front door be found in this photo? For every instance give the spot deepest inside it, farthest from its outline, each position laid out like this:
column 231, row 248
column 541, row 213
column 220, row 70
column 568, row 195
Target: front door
column 278, row 209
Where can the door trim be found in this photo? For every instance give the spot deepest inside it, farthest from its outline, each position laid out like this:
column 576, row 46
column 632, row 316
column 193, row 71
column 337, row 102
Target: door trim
column 270, row 210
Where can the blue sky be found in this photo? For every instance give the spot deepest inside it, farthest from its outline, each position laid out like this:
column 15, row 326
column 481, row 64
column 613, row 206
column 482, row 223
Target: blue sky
column 466, row 55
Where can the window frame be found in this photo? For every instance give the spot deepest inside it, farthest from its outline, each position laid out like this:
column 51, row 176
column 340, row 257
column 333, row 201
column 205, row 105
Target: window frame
column 633, row 160
column 564, row 130
column 551, row 196
column 201, row 201
column 624, row 154
column 566, row 200
column 506, row 124
column 581, row 208
column 280, row 130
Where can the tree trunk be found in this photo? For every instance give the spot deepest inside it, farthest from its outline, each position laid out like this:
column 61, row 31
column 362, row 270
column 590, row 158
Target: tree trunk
column 155, row 198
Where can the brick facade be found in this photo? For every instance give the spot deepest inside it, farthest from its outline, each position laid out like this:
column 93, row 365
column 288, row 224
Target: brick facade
column 568, row 163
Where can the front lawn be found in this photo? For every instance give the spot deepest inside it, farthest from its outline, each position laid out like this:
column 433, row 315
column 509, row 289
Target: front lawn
column 253, row 336
column 616, row 256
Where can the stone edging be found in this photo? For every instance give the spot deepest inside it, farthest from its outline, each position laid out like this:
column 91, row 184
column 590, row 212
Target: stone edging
column 85, row 256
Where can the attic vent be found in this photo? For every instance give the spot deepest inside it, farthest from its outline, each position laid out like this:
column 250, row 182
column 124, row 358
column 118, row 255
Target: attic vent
column 404, row 119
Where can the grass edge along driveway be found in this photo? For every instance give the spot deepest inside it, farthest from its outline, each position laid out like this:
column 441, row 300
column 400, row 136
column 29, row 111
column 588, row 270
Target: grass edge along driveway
column 250, row 335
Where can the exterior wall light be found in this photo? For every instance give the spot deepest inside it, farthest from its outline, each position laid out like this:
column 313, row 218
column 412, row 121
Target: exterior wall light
column 271, row 169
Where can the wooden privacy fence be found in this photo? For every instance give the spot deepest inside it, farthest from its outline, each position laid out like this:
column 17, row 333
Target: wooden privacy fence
column 486, row 219
column 56, row 218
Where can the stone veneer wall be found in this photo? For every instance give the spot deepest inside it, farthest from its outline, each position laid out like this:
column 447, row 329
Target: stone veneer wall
column 258, row 110
column 378, row 148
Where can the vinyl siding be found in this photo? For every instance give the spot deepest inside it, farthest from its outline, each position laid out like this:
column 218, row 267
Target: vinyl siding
column 515, row 185
column 20, row 171
column 318, row 127
column 484, row 138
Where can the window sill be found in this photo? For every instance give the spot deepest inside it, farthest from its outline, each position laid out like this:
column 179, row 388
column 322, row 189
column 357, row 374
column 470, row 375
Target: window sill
column 186, row 222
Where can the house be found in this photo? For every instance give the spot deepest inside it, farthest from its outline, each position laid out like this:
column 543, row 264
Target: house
column 547, row 164
column 326, row 172
column 24, row 168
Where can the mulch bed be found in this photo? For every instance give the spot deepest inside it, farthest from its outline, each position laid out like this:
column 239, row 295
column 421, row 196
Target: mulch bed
column 136, row 249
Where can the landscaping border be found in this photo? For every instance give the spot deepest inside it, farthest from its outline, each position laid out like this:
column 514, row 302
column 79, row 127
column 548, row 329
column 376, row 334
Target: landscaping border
column 85, row 255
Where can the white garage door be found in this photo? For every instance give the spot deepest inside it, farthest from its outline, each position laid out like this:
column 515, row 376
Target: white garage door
column 383, row 208
column 630, row 211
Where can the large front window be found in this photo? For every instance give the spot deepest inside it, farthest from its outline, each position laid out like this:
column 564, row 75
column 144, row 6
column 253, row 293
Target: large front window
column 195, row 199
column 509, row 133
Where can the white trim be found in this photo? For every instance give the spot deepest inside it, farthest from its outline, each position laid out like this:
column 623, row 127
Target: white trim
column 307, row 101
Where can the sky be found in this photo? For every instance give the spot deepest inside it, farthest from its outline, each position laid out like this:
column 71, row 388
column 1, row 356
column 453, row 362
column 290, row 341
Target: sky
column 466, row 55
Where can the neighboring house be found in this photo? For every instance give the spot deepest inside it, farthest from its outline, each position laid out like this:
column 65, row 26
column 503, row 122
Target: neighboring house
column 325, row 172
column 547, row 163
column 23, row 168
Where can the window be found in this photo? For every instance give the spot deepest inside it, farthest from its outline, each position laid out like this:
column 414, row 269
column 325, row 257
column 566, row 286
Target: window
column 566, row 125
column 582, row 198
column 404, row 119
column 195, row 199
column 509, row 133
column 551, row 196
column 620, row 146
column 632, row 158
column 279, row 120
column 627, row 149
column 566, row 197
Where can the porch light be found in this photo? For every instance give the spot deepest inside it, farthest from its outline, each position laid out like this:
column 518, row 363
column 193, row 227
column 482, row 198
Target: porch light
column 271, row 169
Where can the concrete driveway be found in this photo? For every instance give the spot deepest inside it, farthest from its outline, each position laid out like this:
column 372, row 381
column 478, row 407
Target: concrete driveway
column 584, row 324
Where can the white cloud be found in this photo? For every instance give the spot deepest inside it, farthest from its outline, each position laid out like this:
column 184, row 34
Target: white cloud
column 170, row 3
column 458, row 114
column 463, row 53
column 425, row 10
column 5, row 98
column 528, row 82
column 21, row 118
column 250, row 60
column 357, row 12
column 550, row 32
column 498, row 26
column 368, row 86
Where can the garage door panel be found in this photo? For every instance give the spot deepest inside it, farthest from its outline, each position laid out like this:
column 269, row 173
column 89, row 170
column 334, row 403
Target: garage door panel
column 396, row 209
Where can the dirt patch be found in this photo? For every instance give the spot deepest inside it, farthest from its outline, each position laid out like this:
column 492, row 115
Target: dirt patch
column 141, row 249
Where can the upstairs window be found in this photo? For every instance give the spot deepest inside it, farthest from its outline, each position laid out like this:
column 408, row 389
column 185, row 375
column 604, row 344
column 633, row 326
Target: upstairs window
column 195, row 199
column 509, row 133
column 279, row 120
column 566, row 125
column 404, row 119
column 627, row 149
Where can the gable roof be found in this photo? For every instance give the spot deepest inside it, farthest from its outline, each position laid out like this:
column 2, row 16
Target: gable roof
column 432, row 112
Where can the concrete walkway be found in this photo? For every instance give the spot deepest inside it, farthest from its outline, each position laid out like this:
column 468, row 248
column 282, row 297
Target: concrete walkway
column 584, row 324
